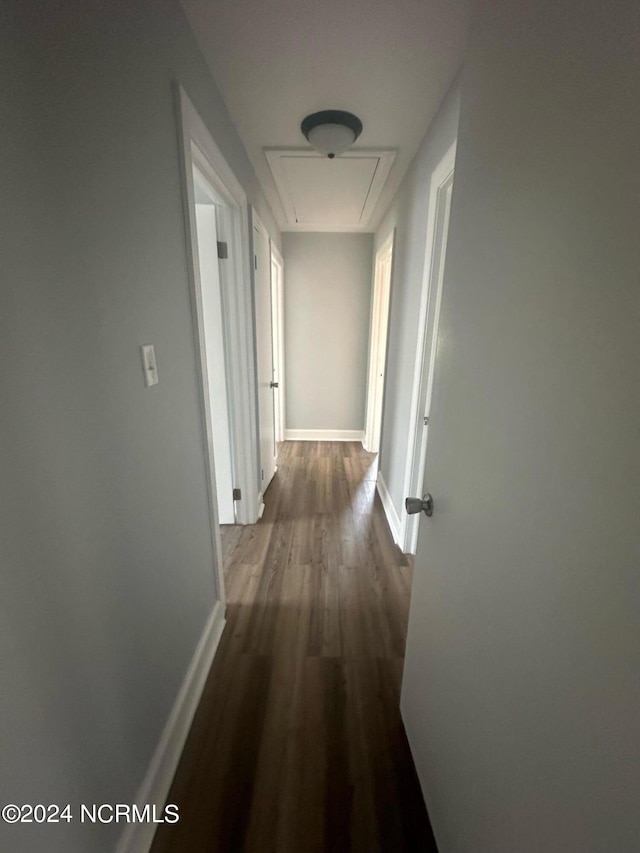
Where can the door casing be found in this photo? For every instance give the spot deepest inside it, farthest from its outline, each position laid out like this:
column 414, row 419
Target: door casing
column 428, row 319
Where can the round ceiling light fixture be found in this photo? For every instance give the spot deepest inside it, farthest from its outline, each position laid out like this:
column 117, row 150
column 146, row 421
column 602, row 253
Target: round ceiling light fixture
column 331, row 132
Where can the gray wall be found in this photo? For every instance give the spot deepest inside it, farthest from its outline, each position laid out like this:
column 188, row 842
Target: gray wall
column 521, row 691
column 408, row 213
column 327, row 310
column 106, row 581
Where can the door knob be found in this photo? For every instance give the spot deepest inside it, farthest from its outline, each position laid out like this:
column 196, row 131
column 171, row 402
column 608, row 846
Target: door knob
column 425, row 504
column 273, row 385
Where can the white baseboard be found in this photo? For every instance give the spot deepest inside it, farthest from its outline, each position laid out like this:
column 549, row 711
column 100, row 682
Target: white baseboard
column 138, row 837
column 323, row 434
column 390, row 511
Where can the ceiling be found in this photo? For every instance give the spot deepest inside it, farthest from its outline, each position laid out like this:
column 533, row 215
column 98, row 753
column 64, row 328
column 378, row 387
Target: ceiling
column 275, row 61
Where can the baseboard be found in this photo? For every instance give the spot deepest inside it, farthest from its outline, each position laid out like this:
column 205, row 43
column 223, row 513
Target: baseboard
column 323, row 434
column 138, row 837
column 393, row 519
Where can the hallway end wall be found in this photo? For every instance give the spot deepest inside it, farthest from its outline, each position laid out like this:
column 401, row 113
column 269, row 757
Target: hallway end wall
column 327, row 287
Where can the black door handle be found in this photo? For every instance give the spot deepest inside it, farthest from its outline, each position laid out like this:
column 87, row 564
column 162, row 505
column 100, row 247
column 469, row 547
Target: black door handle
column 425, row 505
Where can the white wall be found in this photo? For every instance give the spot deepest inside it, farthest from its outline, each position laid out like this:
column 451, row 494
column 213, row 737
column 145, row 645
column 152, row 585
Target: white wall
column 105, row 548
column 327, row 309
column 521, row 692
column 408, row 213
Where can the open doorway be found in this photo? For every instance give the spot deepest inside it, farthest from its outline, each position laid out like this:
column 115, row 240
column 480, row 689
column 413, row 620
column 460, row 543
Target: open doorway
column 217, row 220
column 429, row 318
column 378, row 343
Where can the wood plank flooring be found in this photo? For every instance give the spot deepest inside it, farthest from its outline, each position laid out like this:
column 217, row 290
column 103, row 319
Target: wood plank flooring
column 297, row 745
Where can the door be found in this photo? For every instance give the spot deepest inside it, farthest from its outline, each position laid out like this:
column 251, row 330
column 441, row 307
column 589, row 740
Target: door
column 264, row 352
column 277, row 325
column 378, row 346
column 215, row 358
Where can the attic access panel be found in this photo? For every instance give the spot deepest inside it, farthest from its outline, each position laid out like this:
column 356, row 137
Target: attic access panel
column 319, row 193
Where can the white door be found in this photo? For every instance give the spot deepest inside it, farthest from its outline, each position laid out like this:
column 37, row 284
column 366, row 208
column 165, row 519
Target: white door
column 264, row 352
column 521, row 688
column 378, row 345
column 277, row 324
column 215, row 358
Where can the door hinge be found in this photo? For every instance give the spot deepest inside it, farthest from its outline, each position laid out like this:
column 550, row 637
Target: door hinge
column 237, row 494
column 255, row 262
column 223, row 250
column 425, row 420
column 262, row 474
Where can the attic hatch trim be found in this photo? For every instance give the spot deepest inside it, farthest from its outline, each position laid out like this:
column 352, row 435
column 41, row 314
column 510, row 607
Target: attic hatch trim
column 381, row 172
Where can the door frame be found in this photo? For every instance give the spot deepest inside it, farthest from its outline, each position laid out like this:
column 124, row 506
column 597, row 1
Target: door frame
column 423, row 380
column 277, row 319
column 198, row 148
column 378, row 337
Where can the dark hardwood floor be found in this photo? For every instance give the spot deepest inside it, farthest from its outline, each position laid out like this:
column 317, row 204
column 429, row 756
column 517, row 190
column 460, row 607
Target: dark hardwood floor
column 297, row 745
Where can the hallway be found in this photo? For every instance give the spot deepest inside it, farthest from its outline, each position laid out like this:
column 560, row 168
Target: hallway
column 297, row 745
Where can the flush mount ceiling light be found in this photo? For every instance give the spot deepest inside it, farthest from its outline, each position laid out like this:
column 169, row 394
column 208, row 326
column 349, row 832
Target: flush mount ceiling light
column 331, row 132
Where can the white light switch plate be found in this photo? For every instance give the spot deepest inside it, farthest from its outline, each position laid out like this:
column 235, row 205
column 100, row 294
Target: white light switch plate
column 149, row 367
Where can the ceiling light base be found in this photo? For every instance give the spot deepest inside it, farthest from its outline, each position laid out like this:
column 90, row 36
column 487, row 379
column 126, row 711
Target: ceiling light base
column 331, row 132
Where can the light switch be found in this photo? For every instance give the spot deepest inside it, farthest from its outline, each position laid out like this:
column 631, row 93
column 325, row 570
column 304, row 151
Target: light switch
column 149, row 367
